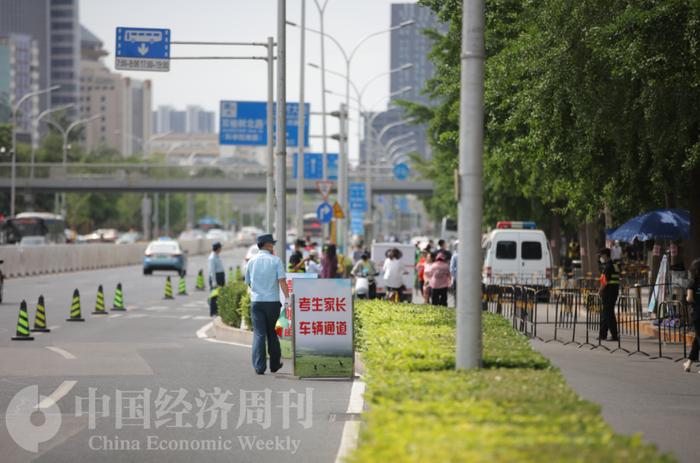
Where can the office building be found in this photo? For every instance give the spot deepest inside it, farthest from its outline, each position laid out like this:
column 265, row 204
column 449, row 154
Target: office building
column 123, row 104
column 408, row 45
column 194, row 119
column 19, row 75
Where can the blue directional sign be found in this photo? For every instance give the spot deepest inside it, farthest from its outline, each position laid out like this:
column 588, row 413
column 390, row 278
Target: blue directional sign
column 313, row 166
column 324, row 213
column 141, row 49
column 357, row 193
column 245, row 123
column 401, row 171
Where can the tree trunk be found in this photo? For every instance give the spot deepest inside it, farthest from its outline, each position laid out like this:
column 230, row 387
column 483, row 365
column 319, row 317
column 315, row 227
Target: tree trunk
column 692, row 250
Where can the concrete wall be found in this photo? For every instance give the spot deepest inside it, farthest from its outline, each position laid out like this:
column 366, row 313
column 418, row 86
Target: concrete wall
column 71, row 258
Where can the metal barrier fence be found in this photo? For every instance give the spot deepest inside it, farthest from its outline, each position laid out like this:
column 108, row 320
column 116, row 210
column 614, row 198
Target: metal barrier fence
column 573, row 315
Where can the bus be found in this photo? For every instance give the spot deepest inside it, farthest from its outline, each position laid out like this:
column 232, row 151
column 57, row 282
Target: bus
column 312, row 227
column 448, row 229
column 51, row 226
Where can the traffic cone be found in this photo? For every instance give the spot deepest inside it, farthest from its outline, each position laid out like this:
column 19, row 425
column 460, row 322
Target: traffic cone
column 200, row 281
column 75, row 308
column 118, row 298
column 182, row 288
column 168, row 289
column 23, row 325
column 100, row 304
column 40, row 317
column 230, row 274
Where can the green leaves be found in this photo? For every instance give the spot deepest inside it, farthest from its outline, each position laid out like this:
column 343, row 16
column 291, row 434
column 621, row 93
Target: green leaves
column 518, row 408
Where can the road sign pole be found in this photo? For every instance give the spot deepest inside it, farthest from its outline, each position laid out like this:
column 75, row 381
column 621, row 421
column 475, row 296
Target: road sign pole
column 470, row 186
column 270, row 185
column 281, row 164
column 342, row 178
column 302, row 126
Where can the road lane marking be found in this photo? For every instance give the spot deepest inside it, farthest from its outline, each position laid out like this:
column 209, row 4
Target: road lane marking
column 351, row 429
column 156, row 308
column 115, row 315
column 56, row 395
column 201, row 317
column 63, row 353
column 137, row 315
column 202, row 332
column 185, row 317
column 54, row 327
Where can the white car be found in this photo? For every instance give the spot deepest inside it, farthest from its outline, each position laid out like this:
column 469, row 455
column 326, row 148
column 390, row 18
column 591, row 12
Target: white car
column 252, row 252
column 248, row 236
column 217, row 234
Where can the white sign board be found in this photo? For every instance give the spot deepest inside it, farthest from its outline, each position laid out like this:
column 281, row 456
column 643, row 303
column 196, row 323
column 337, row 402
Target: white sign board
column 323, row 330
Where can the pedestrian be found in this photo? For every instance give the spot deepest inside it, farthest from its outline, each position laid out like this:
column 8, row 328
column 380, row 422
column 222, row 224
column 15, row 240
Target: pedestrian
column 265, row 276
column 616, row 252
column 329, row 262
column 364, row 268
column 453, row 270
column 296, row 263
column 609, row 290
column 438, row 275
column 393, row 274
column 217, row 277
column 429, row 259
column 420, row 268
column 312, row 265
column 693, row 298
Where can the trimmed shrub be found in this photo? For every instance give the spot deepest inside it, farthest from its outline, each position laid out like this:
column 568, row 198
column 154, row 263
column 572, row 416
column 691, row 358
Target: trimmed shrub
column 229, row 303
column 245, row 310
column 517, row 408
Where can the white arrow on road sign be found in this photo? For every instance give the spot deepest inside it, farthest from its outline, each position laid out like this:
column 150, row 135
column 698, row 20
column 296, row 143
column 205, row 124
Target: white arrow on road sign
column 143, row 49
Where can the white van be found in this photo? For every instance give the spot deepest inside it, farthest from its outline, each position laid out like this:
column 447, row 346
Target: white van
column 408, row 262
column 515, row 253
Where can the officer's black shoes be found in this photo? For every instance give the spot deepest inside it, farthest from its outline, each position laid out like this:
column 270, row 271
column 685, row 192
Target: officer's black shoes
column 275, row 370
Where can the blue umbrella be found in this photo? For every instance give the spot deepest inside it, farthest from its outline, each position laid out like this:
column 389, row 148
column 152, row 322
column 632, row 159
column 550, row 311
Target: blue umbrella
column 661, row 224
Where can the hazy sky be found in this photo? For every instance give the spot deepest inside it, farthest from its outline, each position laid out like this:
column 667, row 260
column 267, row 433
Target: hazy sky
column 204, row 83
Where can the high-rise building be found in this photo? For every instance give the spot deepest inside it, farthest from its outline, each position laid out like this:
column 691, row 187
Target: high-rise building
column 53, row 25
column 19, row 75
column 123, row 104
column 194, row 119
column 409, row 45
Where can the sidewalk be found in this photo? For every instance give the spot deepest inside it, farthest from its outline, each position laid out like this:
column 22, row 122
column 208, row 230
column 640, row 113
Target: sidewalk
column 637, row 395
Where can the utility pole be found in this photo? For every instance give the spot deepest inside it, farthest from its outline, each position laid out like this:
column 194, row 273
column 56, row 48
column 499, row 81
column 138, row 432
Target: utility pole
column 470, row 187
column 270, row 179
column 281, row 155
column 302, row 126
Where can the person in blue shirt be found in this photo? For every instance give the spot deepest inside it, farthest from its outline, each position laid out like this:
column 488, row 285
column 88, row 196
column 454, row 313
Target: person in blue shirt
column 217, row 277
column 453, row 271
column 266, row 277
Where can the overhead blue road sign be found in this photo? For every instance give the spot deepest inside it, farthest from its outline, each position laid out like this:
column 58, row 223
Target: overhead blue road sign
column 324, row 213
column 313, row 166
column 357, row 197
column 357, row 222
column 142, row 49
column 245, row 123
column 401, row 171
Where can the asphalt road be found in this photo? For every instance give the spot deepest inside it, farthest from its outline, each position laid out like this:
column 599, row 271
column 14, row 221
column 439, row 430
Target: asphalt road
column 141, row 386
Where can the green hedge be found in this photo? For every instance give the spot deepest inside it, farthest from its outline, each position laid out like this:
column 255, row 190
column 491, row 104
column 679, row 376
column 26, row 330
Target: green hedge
column 517, row 408
column 229, row 303
column 245, row 310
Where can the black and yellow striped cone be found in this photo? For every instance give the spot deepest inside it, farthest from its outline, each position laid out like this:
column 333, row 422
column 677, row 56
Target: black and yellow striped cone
column 230, row 274
column 168, row 289
column 75, row 315
column 40, row 317
column 182, row 287
column 100, row 303
column 200, row 281
column 118, row 298
column 23, row 325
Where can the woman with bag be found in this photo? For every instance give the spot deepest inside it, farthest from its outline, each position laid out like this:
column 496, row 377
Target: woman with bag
column 693, row 298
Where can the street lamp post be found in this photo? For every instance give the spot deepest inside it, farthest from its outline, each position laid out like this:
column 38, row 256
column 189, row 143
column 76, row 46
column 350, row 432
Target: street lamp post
column 65, row 133
column 343, row 161
column 470, row 187
column 38, row 120
column 301, row 127
column 14, row 109
column 281, row 148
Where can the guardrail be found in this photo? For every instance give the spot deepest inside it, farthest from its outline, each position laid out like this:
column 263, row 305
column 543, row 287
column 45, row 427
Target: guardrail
column 57, row 258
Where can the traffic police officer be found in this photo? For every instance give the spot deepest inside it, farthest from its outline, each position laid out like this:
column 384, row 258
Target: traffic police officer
column 217, row 277
column 609, row 290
